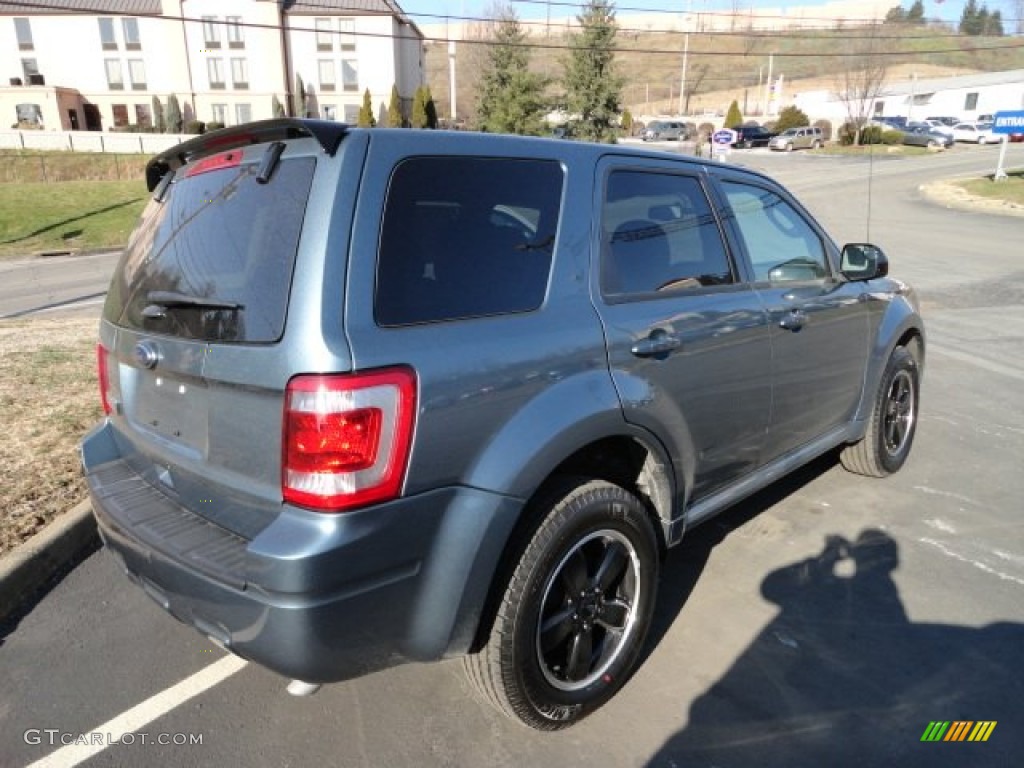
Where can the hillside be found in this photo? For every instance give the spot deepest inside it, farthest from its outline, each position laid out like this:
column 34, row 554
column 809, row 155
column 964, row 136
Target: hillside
column 726, row 66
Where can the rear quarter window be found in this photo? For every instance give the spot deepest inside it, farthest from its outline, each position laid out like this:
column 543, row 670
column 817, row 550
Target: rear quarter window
column 466, row 237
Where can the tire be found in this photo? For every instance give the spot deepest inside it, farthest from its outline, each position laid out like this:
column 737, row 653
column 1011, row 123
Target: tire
column 789, row 147
column 932, row 143
column 890, row 433
column 572, row 622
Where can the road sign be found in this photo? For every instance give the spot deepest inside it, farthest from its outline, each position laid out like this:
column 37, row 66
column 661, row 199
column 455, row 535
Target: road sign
column 725, row 136
column 1008, row 122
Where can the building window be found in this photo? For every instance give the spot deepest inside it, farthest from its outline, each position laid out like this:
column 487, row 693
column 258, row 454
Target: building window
column 329, row 111
column 326, row 67
column 219, row 112
column 211, row 33
column 351, row 114
column 132, row 41
column 29, row 67
column 971, row 102
column 235, row 38
column 240, row 74
column 120, row 115
column 215, row 70
column 324, row 36
column 349, row 75
column 243, row 114
column 137, row 73
column 348, row 34
column 143, row 116
column 23, row 30
column 115, row 78
column 107, row 39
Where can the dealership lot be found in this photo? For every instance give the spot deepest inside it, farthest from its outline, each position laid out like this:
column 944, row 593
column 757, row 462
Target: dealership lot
column 770, row 647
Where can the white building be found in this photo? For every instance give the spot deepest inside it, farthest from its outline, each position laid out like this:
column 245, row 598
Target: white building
column 97, row 64
column 963, row 96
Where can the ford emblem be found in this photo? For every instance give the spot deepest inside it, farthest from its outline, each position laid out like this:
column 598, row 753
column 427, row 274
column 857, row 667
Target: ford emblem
column 146, row 354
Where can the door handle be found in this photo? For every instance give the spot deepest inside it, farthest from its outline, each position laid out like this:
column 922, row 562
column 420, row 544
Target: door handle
column 794, row 320
column 657, row 343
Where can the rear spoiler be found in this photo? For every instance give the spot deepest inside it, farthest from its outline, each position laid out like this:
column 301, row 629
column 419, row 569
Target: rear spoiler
column 328, row 133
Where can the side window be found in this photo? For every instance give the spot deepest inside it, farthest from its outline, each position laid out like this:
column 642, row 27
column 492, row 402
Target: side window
column 658, row 235
column 782, row 246
column 466, row 237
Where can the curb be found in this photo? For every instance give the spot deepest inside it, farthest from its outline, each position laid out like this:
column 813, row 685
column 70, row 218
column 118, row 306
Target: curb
column 27, row 568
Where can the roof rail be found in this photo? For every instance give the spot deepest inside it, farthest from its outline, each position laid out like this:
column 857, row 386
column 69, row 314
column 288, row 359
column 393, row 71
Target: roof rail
column 328, row 133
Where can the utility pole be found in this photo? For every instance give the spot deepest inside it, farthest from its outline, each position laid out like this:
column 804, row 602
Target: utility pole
column 768, row 85
column 451, row 80
column 686, row 55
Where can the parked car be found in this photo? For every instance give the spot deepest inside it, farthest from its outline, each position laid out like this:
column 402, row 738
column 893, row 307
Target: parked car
column 937, row 125
column 382, row 396
column 944, row 120
column 665, row 130
column 748, row 136
column 979, row 133
column 925, row 136
column 807, row 137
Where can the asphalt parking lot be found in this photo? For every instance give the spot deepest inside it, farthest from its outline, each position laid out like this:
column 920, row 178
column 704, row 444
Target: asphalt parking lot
column 827, row 621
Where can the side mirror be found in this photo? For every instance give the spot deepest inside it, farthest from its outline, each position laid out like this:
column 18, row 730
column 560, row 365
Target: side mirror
column 863, row 261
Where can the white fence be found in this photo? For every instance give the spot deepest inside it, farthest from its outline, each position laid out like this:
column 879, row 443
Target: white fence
column 91, row 141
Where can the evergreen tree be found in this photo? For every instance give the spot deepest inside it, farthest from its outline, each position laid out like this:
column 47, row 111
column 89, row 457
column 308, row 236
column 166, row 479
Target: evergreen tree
column 591, row 83
column 382, row 114
column 173, row 116
column 159, row 121
column 430, row 107
column 419, row 109
column 395, row 109
column 510, row 96
column 733, row 116
column 791, row 117
column 626, row 121
column 895, row 15
column 969, row 19
column 916, row 13
column 366, row 112
column 276, row 108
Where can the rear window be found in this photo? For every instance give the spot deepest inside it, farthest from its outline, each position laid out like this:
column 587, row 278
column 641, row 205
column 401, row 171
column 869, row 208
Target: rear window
column 213, row 261
column 466, row 237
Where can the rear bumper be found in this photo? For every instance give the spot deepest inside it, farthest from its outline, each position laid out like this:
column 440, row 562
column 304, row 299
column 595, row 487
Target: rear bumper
column 314, row 597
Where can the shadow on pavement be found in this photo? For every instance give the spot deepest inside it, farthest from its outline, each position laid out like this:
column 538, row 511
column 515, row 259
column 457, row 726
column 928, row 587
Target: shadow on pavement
column 841, row 677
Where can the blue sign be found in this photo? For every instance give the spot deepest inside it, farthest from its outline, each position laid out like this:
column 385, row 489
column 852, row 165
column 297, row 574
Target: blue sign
column 724, row 136
column 1008, row 122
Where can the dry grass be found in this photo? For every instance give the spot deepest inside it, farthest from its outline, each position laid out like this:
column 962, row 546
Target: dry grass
column 49, row 399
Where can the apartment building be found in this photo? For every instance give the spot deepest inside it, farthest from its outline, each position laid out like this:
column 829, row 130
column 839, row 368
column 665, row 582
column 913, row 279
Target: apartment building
column 97, row 64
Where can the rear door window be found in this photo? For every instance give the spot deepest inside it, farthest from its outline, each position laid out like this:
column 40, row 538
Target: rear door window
column 212, row 260
column 466, row 237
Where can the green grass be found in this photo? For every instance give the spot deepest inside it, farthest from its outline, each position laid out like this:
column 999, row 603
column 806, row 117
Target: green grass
column 21, row 166
column 71, row 215
column 1010, row 189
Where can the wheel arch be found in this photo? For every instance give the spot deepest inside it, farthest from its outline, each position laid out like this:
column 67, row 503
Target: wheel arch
column 901, row 326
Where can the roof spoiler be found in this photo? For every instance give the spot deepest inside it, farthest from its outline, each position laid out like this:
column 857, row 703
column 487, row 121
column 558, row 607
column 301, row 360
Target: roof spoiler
column 328, row 133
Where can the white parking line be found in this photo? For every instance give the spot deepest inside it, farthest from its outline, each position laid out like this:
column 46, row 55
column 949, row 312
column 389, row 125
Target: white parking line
column 141, row 715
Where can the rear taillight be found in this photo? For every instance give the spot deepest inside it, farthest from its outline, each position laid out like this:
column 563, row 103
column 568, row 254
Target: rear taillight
column 104, row 377
column 347, row 438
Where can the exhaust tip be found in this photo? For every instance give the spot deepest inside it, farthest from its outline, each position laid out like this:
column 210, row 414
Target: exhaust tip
column 300, row 688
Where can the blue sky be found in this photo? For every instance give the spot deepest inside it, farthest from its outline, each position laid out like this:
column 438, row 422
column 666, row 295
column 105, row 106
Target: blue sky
column 948, row 10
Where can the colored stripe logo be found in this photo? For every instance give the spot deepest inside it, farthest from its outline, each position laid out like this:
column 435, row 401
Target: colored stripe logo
column 959, row 730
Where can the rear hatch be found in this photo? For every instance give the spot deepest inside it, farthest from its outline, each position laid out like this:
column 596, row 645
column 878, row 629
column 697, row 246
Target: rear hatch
column 191, row 340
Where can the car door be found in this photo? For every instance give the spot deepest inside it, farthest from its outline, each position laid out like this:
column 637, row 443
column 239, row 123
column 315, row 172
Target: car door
column 819, row 322
column 688, row 341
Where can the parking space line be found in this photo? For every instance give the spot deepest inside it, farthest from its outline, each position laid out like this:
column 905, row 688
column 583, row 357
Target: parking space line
column 139, row 716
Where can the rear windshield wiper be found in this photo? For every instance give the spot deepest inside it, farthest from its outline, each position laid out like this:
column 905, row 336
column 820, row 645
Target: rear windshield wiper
column 160, row 301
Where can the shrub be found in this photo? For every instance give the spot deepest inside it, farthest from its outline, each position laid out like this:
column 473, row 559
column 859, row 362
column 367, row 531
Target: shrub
column 213, row 125
column 195, row 126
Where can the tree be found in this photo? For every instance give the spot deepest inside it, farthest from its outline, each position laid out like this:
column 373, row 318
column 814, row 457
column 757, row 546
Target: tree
column 977, row 20
column 592, row 86
column 626, row 121
column 916, row 13
column 366, row 112
column 159, row 121
column 430, row 108
column 419, row 109
column 382, row 114
column 276, row 108
column 510, row 96
column 395, row 109
column 861, row 82
column 733, row 116
column 173, row 116
column 896, row 15
column 791, row 117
